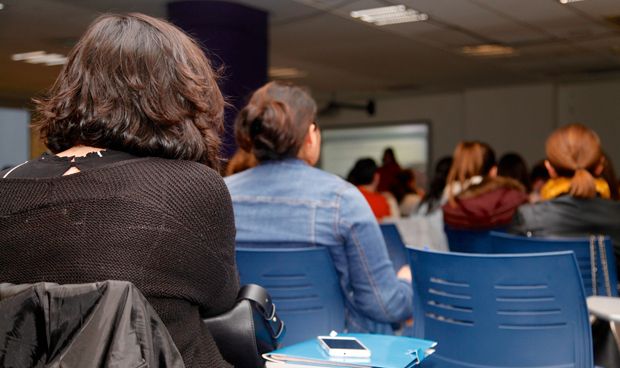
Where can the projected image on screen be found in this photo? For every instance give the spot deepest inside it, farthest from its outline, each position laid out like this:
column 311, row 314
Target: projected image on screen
column 341, row 147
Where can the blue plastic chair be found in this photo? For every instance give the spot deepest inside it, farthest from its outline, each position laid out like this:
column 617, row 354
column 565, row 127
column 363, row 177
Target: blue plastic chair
column 468, row 241
column 397, row 250
column 303, row 285
column 525, row 310
column 509, row 243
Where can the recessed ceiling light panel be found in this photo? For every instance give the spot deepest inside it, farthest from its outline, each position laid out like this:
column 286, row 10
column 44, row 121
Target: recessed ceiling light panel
column 40, row 57
column 488, row 50
column 568, row 1
column 387, row 15
column 286, row 73
column 26, row 55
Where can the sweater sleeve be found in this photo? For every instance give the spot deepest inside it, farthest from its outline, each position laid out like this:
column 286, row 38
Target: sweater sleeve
column 203, row 206
column 377, row 292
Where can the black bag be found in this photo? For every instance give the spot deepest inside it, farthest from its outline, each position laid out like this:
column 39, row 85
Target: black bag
column 250, row 329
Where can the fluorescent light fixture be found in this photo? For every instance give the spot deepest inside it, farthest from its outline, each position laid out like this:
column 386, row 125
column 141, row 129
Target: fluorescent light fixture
column 26, row 55
column 59, row 61
column 286, row 73
column 488, row 50
column 40, row 57
column 389, row 15
column 569, row 1
column 1, row 6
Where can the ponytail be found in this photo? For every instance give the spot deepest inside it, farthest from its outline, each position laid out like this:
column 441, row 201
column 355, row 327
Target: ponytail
column 582, row 184
column 575, row 149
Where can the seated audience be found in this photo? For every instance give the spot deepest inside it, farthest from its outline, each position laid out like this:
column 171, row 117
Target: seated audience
column 365, row 177
column 130, row 191
column 512, row 165
column 425, row 228
column 285, row 199
column 576, row 200
column 406, row 192
column 477, row 198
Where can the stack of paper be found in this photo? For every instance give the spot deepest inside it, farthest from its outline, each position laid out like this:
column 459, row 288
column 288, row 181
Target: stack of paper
column 386, row 352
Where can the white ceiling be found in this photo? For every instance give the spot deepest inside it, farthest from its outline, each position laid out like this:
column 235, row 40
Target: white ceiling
column 344, row 56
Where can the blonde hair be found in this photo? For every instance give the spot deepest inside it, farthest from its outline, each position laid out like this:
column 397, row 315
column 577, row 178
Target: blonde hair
column 470, row 158
column 574, row 150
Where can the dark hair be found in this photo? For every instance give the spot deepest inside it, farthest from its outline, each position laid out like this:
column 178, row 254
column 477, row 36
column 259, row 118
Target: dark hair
column 137, row 84
column 488, row 160
column 275, row 122
column 435, row 191
column 362, row 172
column 388, row 156
column 404, row 183
column 512, row 165
column 539, row 172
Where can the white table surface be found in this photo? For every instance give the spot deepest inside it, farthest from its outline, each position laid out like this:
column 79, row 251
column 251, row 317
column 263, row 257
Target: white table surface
column 605, row 307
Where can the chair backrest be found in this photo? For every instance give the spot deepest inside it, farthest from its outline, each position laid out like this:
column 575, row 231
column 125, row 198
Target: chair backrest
column 583, row 247
column 303, row 284
column 396, row 248
column 525, row 310
column 468, row 241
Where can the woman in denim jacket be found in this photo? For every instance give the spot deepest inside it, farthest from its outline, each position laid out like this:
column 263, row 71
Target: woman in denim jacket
column 285, row 199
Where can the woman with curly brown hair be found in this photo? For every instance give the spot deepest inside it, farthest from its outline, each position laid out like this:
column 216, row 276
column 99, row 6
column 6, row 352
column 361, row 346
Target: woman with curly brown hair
column 130, row 191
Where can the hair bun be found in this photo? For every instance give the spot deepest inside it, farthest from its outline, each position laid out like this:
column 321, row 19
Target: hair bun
column 274, row 123
column 256, row 126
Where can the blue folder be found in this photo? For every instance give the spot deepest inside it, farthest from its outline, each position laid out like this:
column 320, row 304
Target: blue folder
column 386, row 352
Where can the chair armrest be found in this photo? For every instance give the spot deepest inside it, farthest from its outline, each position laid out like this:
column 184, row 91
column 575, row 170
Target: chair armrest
column 604, row 307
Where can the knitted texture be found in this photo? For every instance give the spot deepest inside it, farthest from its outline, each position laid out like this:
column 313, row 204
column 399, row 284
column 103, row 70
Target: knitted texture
column 165, row 225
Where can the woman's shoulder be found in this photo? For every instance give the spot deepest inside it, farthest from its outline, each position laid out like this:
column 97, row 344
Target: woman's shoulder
column 566, row 205
column 179, row 169
column 328, row 177
column 303, row 172
column 174, row 176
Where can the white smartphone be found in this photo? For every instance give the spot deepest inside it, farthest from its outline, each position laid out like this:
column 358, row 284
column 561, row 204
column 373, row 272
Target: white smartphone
column 343, row 347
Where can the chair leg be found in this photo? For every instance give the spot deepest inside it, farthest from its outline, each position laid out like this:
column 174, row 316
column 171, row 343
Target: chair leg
column 615, row 329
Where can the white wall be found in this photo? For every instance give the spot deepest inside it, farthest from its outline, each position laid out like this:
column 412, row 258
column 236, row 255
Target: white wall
column 514, row 118
column 14, row 136
column 596, row 105
column 511, row 119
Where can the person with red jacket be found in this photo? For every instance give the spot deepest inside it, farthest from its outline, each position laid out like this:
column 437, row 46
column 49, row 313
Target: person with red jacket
column 365, row 177
column 478, row 199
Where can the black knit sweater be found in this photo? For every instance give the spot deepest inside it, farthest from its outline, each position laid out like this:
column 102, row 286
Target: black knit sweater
column 165, row 225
